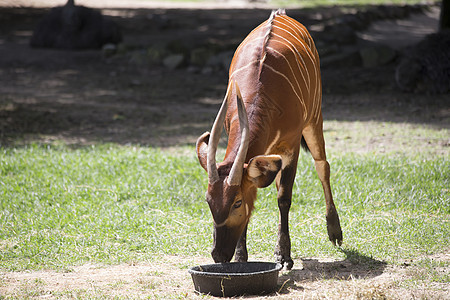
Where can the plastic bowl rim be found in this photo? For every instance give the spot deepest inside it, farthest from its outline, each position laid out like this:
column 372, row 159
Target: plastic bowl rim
column 276, row 268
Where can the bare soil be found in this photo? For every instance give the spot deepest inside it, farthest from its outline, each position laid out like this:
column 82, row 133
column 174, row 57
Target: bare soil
column 85, row 97
column 311, row 278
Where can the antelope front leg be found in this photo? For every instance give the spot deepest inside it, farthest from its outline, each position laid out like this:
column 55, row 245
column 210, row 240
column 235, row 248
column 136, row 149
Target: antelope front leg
column 241, row 248
column 284, row 185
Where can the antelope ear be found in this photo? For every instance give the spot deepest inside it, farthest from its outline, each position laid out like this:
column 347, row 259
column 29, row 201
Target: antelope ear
column 202, row 149
column 263, row 169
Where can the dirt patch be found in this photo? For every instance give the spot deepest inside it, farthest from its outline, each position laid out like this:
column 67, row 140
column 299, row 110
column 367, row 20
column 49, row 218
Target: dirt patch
column 135, row 281
column 312, row 278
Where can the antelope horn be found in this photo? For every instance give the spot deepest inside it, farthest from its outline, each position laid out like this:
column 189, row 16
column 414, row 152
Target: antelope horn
column 237, row 169
column 213, row 175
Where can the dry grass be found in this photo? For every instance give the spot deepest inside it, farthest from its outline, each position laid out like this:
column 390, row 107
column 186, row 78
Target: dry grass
column 168, row 279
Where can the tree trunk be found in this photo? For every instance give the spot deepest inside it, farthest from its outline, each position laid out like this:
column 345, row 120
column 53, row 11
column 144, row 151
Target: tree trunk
column 444, row 22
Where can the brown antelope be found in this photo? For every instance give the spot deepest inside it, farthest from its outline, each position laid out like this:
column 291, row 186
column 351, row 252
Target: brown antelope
column 275, row 78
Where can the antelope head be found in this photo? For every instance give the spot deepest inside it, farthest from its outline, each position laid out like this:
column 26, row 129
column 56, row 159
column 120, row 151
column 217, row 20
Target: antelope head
column 232, row 184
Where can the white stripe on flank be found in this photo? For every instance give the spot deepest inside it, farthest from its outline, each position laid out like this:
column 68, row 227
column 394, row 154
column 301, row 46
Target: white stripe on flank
column 244, row 67
column 317, row 97
column 298, row 84
column 287, row 79
column 301, row 41
column 301, row 31
column 243, row 45
column 306, row 37
column 309, row 53
column 286, row 22
column 294, row 49
column 289, row 35
column 292, row 70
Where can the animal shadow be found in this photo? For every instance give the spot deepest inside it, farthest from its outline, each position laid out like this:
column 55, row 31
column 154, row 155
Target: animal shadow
column 354, row 266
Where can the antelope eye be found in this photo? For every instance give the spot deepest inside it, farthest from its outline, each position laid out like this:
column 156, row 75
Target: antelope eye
column 237, row 204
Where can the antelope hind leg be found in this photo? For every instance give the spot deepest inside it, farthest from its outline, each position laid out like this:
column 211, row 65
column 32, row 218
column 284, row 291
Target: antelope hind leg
column 333, row 223
column 314, row 138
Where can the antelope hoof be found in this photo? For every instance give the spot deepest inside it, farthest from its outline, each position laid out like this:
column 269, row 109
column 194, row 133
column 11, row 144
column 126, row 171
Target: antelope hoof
column 241, row 256
column 335, row 237
column 286, row 262
column 334, row 228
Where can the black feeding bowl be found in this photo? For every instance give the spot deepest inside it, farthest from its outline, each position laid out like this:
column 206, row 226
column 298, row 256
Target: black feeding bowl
column 236, row 278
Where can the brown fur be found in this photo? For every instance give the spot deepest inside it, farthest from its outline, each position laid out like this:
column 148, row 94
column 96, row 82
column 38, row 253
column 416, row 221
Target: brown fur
column 276, row 68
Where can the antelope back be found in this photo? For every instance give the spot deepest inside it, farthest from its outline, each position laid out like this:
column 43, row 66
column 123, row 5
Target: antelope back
column 278, row 71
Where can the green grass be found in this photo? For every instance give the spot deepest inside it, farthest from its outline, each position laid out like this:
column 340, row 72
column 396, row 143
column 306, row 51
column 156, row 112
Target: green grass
column 110, row 204
column 106, row 204
column 390, row 208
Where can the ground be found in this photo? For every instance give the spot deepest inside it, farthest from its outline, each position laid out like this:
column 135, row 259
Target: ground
column 79, row 98
column 312, row 278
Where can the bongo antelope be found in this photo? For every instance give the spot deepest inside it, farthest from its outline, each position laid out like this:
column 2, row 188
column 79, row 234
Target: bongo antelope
column 272, row 106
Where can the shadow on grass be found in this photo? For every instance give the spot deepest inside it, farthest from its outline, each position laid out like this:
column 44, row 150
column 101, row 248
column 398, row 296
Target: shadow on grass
column 354, row 266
